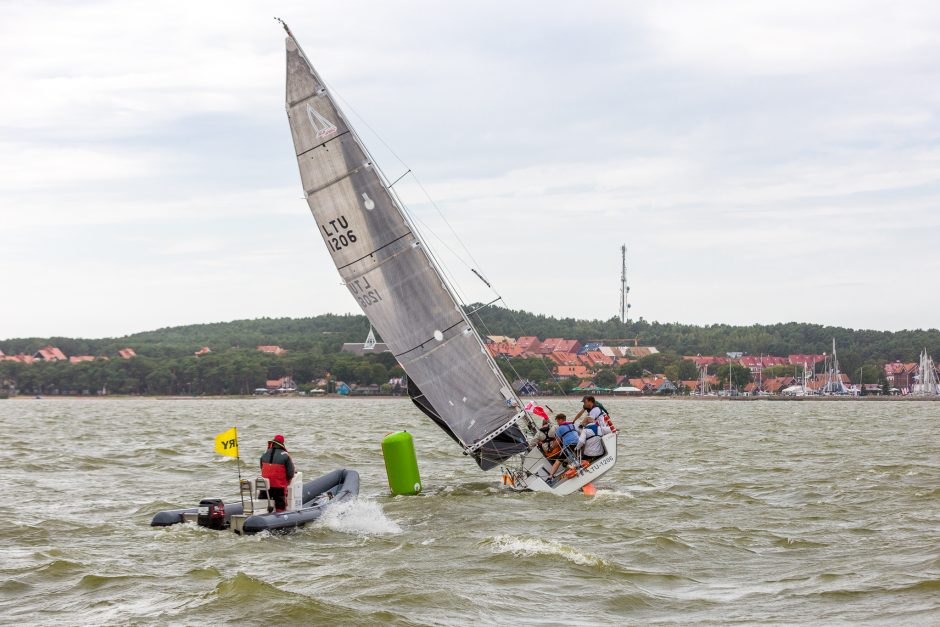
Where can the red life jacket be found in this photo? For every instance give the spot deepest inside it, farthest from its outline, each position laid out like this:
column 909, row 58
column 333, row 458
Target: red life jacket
column 276, row 474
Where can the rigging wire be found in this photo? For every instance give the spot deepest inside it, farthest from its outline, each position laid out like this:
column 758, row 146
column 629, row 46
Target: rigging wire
column 409, row 214
column 423, row 190
column 455, row 285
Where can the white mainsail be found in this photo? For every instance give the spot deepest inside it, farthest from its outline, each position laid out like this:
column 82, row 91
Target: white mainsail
column 385, row 266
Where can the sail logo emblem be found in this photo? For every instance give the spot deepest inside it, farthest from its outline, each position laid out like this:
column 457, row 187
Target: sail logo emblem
column 320, row 124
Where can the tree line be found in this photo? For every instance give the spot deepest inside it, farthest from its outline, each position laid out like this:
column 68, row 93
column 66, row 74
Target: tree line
column 166, row 364
column 232, row 371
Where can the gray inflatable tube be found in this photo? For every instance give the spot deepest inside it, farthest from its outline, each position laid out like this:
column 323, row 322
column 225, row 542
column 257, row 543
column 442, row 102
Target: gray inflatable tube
column 336, row 487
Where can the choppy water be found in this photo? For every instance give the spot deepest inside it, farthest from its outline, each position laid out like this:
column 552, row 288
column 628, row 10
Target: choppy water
column 717, row 512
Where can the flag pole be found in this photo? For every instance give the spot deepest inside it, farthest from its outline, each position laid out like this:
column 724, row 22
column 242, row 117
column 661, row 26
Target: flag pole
column 238, row 464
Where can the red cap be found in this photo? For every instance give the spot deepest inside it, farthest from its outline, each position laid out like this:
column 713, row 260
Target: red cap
column 279, row 439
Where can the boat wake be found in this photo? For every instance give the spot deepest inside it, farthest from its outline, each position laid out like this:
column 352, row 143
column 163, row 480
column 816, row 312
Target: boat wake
column 361, row 517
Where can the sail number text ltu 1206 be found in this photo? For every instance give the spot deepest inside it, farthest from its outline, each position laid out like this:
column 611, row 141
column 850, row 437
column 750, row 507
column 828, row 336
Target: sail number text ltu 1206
column 363, row 292
column 338, row 233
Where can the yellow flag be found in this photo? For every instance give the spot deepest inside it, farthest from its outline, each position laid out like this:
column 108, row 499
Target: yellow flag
column 227, row 443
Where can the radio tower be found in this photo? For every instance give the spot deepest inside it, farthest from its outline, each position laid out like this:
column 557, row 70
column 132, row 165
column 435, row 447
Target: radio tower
column 624, row 288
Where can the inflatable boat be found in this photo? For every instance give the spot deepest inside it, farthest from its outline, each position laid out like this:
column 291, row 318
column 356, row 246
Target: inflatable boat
column 255, row 512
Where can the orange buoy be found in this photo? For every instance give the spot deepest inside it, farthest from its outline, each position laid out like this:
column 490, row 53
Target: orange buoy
column 589, row 489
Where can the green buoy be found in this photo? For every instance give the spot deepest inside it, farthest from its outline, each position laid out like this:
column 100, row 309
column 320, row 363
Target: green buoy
column 401, row 463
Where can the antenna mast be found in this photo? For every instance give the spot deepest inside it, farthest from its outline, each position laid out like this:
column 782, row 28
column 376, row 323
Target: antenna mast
column 624, row 288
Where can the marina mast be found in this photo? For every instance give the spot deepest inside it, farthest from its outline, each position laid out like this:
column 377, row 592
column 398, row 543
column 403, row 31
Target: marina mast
column 927, row 377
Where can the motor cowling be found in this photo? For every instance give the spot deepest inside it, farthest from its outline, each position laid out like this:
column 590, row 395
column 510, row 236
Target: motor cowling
column 211, row 514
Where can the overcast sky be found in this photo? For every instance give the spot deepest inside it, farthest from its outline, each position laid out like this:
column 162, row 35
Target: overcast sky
column 763, row 162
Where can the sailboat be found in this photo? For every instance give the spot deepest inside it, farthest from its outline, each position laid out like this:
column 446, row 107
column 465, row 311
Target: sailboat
column 388, row 269
column 834, row 386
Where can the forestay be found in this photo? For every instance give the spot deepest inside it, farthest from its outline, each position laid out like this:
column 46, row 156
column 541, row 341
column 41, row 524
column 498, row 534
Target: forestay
column 386, row 268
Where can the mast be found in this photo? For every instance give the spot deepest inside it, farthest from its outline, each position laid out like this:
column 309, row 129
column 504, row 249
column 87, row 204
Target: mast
column 927, row 373
column 388, row 267
column 760, row 373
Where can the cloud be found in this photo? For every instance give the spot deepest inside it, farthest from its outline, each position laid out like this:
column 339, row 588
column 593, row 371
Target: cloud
column 761, row 162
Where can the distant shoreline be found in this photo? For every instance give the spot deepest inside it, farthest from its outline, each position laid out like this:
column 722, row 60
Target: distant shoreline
column 573, row 397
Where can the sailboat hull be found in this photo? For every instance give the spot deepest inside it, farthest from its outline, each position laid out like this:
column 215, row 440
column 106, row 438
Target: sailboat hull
column 534, row 465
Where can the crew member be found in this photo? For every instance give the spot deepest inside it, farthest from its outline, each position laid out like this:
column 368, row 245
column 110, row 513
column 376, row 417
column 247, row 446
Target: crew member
column 566, row 437
column 590, row 444
column 595, row 414
column 278, row 468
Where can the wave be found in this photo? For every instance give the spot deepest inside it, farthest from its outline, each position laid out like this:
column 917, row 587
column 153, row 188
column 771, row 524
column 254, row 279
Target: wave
column 14, row 587
column 359, row 516
column 238, row 598
column 59, row 568
column 209, row 572
column 796, row 543
column 529, row 546
column 930, row 586
column 470, row 488
column 94, row 582
column 669, row 542
column 607, row 493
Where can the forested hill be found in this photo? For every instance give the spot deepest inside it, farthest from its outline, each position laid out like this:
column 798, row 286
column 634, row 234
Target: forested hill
column 326, row 333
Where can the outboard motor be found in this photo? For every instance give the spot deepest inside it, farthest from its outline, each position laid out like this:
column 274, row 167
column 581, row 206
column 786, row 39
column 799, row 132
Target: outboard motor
column 211, row 514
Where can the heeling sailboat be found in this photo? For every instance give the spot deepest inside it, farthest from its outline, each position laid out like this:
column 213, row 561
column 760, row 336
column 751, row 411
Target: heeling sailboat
column 395, row 279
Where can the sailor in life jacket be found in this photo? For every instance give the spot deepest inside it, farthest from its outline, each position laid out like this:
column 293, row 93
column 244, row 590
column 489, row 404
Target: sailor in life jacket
column 590, row 444
column 278, row 468
column 597, row 419
column 566, row 436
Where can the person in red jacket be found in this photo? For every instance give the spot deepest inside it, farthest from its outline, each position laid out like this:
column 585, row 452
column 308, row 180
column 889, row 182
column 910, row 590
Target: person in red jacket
column 278, row 468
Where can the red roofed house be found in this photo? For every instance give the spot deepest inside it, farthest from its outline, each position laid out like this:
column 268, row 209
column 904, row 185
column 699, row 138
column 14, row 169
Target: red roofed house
column 528, row 344
column 822, row 379
column 900, row 375
column 641, row 384
column 756, row 364
column 284, row 384
column 568, row 346
column 806, row 359
column 24, row 359
column 578, row 371
column 274, row 350
column 559, row 345
column 49, row 353
column 597, row 358
column 566, row 359
column 775, row 385
column 498, row 339
column 507, row 349
column 75, row 359
column 127, row 353
column 202, row 351
column 706, row 360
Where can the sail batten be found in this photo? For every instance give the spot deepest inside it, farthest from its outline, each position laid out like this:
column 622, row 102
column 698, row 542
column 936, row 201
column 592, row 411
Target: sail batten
column 393, row 277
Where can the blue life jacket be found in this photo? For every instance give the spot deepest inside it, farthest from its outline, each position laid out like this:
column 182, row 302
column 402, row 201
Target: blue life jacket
column 568, row 434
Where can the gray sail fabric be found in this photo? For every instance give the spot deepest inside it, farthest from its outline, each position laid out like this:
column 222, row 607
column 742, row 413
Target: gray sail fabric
column 385, row 267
